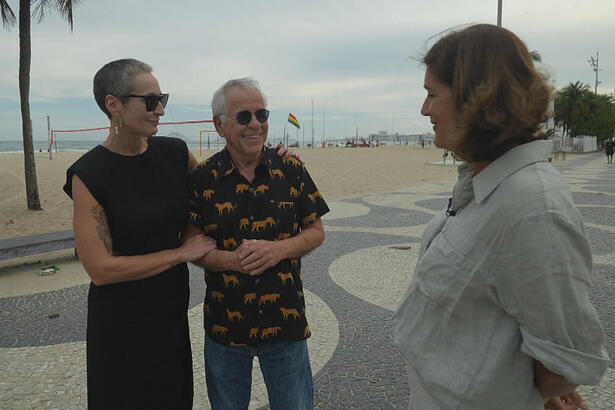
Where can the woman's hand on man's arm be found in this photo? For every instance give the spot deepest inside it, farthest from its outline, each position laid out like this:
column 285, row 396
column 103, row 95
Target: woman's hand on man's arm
column 94, row 244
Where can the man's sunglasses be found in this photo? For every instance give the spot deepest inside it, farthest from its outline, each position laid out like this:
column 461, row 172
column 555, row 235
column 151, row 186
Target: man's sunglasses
column 244, row 117
column 151, row 101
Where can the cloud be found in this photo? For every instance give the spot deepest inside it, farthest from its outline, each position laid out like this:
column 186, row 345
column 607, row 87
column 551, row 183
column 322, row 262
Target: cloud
column 353, row 57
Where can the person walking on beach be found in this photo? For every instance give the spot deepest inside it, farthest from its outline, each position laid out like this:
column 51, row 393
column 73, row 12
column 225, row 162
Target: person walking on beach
column 498, row 314
column 130, row 203
column 264, row 213
column 609, row 148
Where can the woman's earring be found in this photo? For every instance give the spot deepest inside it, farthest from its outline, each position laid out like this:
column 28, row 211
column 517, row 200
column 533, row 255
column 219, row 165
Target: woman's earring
column 116, row 123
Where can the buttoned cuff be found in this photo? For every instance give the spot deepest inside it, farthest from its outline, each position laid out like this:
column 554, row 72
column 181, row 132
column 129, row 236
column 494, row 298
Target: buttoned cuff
column 577, row 367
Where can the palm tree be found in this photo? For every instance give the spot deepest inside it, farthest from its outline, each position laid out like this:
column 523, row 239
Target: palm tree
column 65, row 8
column 570, row 106
column 599, row 116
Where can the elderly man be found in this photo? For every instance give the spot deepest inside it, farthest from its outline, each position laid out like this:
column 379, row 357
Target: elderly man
column 264, row 213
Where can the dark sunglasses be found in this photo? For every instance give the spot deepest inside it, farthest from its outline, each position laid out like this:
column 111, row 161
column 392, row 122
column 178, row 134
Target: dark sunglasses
column 244, row 117
column 151, row 101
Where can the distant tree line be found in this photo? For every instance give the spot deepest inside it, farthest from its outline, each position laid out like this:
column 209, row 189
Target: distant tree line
column 581, row 112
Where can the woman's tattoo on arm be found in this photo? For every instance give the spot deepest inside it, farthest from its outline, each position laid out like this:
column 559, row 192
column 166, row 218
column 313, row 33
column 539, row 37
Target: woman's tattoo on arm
column 102, row 227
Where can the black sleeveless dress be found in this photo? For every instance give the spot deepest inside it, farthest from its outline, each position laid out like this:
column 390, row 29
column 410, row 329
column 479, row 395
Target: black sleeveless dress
column 138, row 345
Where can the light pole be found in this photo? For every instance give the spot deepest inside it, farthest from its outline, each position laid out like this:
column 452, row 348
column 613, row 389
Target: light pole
column 594, row 65
column 499, row 12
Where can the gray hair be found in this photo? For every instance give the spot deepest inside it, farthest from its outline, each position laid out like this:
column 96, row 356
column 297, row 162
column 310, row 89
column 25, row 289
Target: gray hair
column 116, row 78
column 218, row 101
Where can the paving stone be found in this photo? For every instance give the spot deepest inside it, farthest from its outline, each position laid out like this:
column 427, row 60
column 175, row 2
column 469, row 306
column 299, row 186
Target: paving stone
column 585, row 198
column 436, row 204
column 599, row 215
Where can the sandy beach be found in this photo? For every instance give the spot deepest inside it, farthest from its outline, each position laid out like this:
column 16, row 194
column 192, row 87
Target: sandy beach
column 339, row 173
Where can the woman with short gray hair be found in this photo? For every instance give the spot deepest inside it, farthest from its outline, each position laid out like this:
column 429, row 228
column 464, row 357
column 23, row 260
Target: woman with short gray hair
column 129, row 195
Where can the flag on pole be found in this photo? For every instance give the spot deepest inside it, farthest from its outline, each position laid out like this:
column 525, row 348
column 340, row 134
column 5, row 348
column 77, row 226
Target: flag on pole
column 293, row 120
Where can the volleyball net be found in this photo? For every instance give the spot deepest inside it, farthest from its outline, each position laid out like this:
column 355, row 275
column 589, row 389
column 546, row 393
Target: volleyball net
column 199, row 134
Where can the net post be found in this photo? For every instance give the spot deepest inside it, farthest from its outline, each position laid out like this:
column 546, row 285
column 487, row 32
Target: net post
column 49, row 136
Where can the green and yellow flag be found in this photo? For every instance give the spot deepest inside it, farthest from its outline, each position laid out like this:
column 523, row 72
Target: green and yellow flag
column 293, row 120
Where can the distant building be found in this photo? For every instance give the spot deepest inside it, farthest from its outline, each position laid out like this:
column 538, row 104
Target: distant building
column 384, row 137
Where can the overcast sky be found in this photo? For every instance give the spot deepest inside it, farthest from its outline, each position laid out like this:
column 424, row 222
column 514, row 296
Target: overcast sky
column 355, row 58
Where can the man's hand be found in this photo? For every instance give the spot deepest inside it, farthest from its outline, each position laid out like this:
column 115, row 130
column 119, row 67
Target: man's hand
column 256, row 255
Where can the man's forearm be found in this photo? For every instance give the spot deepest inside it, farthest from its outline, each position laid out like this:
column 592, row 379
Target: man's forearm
column 254, row 256
column 306, row 241
column 219, row 260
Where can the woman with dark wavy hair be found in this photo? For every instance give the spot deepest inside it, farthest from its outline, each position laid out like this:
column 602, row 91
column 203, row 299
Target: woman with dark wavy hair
column 498, row 314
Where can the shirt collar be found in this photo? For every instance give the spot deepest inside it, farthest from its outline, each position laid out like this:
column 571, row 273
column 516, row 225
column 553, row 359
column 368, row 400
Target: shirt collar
column 225, row 165
column 513, row 160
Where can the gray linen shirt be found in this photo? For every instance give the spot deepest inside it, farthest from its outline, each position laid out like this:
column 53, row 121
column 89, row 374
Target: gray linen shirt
column 505, row 280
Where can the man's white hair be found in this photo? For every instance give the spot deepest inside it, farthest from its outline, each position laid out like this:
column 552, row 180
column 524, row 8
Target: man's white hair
column 218, row 102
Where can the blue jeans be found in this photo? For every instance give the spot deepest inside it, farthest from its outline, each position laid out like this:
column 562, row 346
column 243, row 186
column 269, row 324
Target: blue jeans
column 285, row 367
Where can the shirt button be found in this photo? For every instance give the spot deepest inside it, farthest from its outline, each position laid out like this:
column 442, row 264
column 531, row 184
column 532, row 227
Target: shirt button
column 260, row 312
column 256, row 281
column 251, row 219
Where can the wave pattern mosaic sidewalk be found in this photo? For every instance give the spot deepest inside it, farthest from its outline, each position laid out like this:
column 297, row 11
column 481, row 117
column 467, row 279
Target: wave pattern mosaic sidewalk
column 353, row 284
